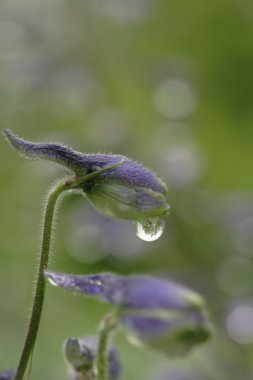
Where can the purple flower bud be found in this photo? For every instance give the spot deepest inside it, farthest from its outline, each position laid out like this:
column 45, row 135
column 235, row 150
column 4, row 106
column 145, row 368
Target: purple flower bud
column 158, row 313
column 80, row 355
column 9, row 375
column 127, row 191
column 179, row 373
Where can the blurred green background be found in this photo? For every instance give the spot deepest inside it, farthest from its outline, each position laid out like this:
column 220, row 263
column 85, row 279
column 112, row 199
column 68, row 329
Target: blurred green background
column 169, row 83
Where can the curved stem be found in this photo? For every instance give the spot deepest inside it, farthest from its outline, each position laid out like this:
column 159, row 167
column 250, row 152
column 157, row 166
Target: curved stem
column 40, row 284
column 56, row 191
column 108, row 324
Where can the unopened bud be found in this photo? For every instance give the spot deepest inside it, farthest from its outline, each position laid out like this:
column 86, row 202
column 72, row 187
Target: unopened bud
column 117, row 186
column 160, row 314
column 80, row 355
column 9, row 375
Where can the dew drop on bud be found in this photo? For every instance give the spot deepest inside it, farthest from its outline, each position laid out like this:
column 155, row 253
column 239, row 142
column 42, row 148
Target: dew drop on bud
column 150, row 229
column 52, row 282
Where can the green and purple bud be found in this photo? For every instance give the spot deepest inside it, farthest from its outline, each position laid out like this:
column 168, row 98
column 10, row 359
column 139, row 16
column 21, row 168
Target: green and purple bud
column 116, row 185
column 157, row 313
column 81, row 354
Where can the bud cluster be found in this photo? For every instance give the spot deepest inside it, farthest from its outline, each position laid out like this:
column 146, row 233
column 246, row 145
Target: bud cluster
column 159, row 314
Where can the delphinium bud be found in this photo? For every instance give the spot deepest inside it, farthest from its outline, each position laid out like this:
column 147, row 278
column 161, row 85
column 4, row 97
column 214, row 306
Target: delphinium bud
column 120, row 188
column 9, row 375
column 160, row 314
column 80, row 355
column 181, row 372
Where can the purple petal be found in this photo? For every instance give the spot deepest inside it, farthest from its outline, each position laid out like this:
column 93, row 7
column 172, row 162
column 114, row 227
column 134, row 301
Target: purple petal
column 53, row 152
column 129, row 292
column 146, row 326
column 129, row 173
column 149, row 292
column 153, row 300
column 105, row 287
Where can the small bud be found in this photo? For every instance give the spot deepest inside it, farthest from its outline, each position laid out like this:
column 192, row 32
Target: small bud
column 157, row 313
column 118, row 187
column 80, row 355
column 9, row 375
column 179, row 373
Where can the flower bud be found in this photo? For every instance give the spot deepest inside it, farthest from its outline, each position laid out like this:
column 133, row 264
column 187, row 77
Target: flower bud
column 179, row 373
column 80, row 355
column 157, row 313
column 9, row 375
column 117, row 186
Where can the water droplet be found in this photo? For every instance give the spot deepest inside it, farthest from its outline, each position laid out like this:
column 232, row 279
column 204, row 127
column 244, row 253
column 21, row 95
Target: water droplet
column 150, row 229
column 52, row 281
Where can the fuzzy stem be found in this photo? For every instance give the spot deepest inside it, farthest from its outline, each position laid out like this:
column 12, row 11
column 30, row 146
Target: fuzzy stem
column 39, row 296
column 57, row 190
column 108, row 324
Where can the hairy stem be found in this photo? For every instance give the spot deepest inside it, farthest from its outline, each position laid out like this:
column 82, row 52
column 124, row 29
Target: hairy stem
column 40, row 284
column 56, row 191
column 108, row 324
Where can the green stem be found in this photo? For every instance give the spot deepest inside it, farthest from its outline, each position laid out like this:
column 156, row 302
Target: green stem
column 57, row 190
column 108, row 324
column 40, row 284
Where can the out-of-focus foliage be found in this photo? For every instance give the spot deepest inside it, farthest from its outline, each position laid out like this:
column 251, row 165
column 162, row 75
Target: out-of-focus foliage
column 170, row 84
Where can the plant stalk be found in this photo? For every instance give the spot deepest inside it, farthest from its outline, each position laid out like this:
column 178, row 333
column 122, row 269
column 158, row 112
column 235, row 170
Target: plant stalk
column 56, row 191
column 39, row 296
column 108, row 324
